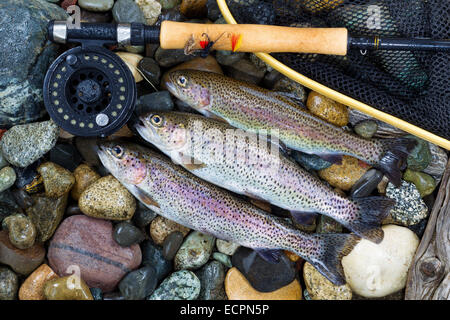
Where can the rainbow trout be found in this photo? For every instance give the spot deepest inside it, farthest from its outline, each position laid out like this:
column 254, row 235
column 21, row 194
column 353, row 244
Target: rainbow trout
column 229, row 158
column 180, row 196
column 252, row 108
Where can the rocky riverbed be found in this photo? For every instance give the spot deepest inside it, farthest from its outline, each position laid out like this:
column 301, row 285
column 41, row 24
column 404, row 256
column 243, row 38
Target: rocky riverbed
column 65, row 218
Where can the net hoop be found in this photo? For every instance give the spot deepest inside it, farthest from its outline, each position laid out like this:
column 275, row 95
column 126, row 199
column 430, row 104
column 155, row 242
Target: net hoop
column 337, row 96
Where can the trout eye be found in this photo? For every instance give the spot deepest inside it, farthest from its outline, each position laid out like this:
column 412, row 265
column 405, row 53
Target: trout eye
column 182, row 81
column 156, row 120
column 117, row 152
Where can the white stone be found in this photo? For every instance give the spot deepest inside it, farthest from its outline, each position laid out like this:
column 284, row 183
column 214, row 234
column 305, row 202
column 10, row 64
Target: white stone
column 226, row 247
column 377, row 270
column 132, row 61
column 151, row 10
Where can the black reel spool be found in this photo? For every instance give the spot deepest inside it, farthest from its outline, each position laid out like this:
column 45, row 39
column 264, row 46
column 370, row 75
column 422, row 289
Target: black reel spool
column 89, row 91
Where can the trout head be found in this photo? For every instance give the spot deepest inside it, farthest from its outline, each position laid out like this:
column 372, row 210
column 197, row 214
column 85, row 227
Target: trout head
column 190, row 86
column 165, row 130
column 123, row 161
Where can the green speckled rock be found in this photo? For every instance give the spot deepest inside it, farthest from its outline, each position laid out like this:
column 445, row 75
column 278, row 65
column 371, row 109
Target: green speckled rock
column 3, row 162
column 420, row 156
column 7, row 178
column 222, row 258
column 24, row 144
column 409, row 208
column 21, row 230
column 180, row 285
column 46, row 214
column 25, row 56
column 169, row 4
column 423, row 182
column 194, row 252
column 226, row 247
column 366, row 128
column 151, row 10
column 9, row 284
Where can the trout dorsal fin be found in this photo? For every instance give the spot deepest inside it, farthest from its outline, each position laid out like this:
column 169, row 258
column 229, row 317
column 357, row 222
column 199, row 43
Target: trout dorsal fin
column 288, row 96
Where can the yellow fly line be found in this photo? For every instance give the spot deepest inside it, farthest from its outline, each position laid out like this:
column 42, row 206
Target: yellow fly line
column 332, row 94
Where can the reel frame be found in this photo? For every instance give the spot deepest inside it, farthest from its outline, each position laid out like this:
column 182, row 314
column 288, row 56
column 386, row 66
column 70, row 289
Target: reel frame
column 89, row 91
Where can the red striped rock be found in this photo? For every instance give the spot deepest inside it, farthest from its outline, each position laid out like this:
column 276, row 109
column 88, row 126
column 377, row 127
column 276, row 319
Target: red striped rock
column 87, row 243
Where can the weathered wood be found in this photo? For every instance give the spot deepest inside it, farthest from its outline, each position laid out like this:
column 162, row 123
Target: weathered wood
column 429, row 275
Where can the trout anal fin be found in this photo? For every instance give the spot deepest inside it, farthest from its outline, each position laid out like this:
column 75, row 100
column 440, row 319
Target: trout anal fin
column 270, row 255
column 303, row 218
column 333, row 158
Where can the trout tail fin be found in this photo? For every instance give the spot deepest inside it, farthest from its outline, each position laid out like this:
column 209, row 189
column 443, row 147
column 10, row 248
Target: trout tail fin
column 394, row 158
column 371, row 211
column 332, row 248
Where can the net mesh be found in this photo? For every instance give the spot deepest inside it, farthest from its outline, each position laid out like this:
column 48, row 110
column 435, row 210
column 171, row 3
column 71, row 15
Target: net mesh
column 413, row 86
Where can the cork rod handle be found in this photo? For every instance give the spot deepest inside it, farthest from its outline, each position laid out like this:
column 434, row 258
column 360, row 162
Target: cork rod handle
column 254, row 38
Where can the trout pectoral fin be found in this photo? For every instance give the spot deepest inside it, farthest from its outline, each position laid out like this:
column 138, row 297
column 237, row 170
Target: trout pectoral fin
column 280, row 145
column 191, row 163
column 270, row 255
column 258, row 202
column 333, row 158
column 263, row 205
column 215, row 117
column 303, row 218
column 194, row 166
column 145, row 197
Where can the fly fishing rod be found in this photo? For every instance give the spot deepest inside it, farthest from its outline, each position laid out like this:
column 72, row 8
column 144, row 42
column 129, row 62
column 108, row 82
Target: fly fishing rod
column 240, row 37
column 90, row 91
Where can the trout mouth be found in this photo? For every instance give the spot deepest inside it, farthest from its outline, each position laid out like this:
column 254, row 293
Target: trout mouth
column 105, row 158
column 172, row 88
column 148, row 133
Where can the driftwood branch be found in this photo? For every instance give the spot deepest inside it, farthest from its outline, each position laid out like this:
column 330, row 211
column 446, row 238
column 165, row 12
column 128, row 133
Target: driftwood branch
column 429, row 275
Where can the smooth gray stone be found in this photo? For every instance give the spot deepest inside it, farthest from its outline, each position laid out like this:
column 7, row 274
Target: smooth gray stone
column 127, row 11
column 25, row 55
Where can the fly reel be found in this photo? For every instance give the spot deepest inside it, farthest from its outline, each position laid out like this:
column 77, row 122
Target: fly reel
column 89, row 91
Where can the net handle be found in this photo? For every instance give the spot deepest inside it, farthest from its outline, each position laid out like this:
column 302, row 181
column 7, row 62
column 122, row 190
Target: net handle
column 339, row 97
